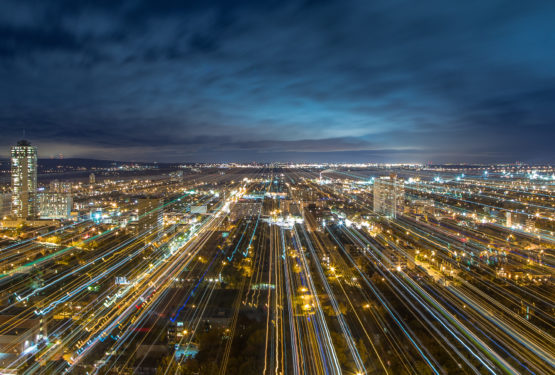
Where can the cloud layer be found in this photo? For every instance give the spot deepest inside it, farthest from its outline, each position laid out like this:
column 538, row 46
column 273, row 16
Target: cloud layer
column 280, row 80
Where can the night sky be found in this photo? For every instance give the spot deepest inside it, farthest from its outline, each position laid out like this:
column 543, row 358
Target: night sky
column 361, row 81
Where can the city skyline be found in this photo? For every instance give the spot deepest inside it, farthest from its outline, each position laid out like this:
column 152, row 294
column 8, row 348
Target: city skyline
column 288, row 187
column 280, row 81
column 276, row 268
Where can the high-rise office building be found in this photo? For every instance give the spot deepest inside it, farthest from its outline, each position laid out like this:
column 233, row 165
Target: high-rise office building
column 92, row 179
column 388, row 196
column 24, row 180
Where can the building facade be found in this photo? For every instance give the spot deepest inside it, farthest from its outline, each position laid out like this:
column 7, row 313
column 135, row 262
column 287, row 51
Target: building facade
column 55, row 205
column 57, row 186
column 389, row 195
column 24, row 180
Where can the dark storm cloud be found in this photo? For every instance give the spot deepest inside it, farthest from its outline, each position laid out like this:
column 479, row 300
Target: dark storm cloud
column 290, row 80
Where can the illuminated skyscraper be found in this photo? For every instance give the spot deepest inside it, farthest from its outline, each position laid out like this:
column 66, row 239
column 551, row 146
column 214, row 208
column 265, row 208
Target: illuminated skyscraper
column 24, row 180
column 388, row 196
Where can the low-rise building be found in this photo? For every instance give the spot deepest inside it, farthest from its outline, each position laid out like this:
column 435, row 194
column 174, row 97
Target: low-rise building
column 55, row 205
